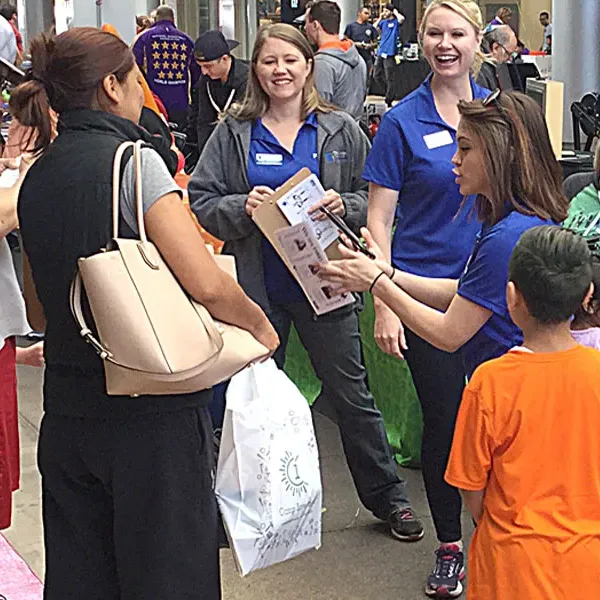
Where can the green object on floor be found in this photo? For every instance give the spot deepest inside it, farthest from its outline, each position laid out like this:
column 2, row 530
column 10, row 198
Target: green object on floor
column 390, row 383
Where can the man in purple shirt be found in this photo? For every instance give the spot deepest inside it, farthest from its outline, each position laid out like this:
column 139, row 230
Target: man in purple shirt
column 165, row 55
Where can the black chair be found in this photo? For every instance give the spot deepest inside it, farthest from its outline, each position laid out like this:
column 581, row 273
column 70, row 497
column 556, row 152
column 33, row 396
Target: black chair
column 586, row 118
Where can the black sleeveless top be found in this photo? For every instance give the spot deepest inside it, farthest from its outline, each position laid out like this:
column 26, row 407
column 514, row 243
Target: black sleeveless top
column 64, row 210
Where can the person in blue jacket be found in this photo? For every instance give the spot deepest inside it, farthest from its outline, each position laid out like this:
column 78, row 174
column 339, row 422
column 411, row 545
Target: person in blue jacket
column 411, row 181
column 505, row 158
column 166, row 57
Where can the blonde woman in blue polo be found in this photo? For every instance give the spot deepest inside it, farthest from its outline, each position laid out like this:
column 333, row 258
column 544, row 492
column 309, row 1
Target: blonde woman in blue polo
column 411, row 179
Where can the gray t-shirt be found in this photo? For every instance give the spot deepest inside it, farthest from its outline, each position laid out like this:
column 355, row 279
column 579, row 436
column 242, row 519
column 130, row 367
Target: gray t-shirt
column 156, row 183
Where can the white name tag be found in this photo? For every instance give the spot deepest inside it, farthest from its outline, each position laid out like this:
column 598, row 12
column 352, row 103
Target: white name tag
column 438, row 139
column 270, row 160
column 390, row 25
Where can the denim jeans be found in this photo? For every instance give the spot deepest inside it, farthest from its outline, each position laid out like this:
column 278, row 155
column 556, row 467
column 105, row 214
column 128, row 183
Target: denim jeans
column 334, row 347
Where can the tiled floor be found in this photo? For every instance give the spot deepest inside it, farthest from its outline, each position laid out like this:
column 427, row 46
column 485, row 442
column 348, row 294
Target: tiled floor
column 358, row 559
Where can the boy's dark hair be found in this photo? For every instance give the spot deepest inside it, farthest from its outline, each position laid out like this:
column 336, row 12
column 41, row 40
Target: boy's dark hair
column 545, row 13
column 328, row 14
column 389, row 6
column 552, row 268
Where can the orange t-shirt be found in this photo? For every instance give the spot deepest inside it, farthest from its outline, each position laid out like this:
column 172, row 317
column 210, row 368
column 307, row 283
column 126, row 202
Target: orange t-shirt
column 528, row 431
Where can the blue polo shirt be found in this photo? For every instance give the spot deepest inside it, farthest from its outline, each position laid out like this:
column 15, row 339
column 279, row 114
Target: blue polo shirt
column 412, row 154
column 390, row 31
column 484, row 283
column 272, row 165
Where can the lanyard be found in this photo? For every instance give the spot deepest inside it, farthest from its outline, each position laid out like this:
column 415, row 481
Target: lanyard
column 220, row 113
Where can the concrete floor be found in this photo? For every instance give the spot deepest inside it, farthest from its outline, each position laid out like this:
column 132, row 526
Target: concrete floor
column 359, row 560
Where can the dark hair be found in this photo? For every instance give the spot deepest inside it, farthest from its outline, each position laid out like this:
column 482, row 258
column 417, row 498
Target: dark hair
column 66, row 73
column 504, row 13
column 143, row 22
column 389, row 6
column 328, row 14
column 165, row 13
column 8, row 11
column 519, row 161
column 552, row 269
column 545, row 13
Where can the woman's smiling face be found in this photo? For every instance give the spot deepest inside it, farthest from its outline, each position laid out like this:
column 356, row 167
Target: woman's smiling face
column 449, row 43
column 281, row 69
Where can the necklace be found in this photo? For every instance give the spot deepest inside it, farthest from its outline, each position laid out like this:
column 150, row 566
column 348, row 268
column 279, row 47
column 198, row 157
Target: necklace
column 220, row 112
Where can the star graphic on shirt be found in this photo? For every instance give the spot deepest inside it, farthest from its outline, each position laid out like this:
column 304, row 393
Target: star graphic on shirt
column 161, row 75
column 179, row 75
column 170, row 75
column 166, row 55
column 175, row 55
column 183, row 66
column 156, row 66
column 156, row 55
column 183, row 56
column 155, row 46
column 175, row 66
column 166, row 65
column 165, row 45
column 175, row 46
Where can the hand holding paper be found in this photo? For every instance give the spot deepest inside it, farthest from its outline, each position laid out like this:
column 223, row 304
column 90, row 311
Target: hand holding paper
column 333, row 201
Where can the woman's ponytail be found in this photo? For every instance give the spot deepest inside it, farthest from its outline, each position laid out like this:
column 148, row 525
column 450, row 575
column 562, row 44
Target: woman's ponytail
column 30, row 103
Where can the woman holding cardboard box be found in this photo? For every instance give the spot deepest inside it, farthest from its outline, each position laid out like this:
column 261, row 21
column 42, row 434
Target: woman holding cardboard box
column 281, row 127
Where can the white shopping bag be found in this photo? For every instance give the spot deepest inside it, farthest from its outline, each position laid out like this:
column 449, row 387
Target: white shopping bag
column 268, row 478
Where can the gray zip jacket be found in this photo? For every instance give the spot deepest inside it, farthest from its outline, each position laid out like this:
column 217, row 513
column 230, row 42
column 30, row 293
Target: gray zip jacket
column 341, row 78
column 219, row 188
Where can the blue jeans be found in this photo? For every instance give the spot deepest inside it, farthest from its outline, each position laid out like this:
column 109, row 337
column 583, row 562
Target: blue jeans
column 334, row 346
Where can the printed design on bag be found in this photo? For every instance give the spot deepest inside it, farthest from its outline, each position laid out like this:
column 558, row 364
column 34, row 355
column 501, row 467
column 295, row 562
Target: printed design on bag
column 290, row 475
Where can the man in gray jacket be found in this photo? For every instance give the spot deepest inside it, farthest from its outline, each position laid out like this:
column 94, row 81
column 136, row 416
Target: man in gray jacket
column 340, row 72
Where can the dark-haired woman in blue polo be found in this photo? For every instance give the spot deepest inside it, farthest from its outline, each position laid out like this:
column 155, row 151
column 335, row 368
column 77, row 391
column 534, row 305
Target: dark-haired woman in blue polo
column 411, row 180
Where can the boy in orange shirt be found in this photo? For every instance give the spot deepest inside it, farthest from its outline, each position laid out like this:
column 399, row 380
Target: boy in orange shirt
column 526, row 451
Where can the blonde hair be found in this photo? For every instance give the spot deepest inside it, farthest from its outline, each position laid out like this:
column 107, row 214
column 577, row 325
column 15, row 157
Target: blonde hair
column 256, row 101
column 468, row 10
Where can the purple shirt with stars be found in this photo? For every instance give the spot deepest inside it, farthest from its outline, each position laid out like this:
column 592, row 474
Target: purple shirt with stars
column 166, row 56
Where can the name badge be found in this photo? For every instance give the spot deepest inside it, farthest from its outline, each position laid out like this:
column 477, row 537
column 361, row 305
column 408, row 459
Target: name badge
column 438, row 139
column 391, row 25
column 368, row 32
column 336, row 156
column 269, row 160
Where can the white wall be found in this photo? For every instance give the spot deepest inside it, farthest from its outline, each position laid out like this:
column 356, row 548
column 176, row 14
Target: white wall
column 119, row 13
column 576, row 51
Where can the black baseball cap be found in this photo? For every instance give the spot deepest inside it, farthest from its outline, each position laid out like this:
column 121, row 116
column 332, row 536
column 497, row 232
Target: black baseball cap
column 212, row 45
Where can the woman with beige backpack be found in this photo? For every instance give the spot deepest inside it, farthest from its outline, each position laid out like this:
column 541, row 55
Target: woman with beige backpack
column 128, row 503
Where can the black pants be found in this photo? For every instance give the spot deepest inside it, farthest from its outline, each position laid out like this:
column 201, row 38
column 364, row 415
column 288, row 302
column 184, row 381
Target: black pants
column 439, row 379
column 334, row 347
column 383, row 74
column 128, row 507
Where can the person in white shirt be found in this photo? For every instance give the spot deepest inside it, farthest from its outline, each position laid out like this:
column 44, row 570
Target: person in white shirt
column 545, row 22
column 8, row 41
